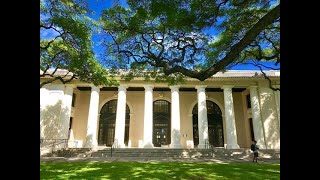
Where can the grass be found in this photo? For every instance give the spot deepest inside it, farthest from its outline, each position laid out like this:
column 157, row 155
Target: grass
column 157, row 170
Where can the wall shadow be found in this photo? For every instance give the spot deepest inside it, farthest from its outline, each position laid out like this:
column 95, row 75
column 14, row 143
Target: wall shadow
column 51, row 122
column 269, row 119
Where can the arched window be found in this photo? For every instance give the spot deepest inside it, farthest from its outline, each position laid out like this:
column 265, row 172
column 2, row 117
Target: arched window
column 108, row 121
column 215, row 124
column 161, row 123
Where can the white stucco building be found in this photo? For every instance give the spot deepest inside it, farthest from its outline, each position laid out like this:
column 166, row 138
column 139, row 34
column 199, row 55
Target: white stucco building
column 227, row 110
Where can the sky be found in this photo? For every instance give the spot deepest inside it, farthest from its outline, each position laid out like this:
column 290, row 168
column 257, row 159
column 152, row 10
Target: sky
column 98, row 5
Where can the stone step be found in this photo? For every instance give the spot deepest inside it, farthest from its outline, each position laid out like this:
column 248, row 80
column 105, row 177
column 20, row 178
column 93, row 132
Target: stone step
column 164, row 153
column 156, row 159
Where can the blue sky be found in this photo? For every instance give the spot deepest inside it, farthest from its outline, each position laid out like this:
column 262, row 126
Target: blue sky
column 99, row 5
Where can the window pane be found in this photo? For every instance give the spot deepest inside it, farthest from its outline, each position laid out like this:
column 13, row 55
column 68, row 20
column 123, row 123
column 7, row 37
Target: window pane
column 107, row 123
column 215, row 124
column 248, row 101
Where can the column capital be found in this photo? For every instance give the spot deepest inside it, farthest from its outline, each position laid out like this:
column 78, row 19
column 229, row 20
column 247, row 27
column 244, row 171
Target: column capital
column 122, row 87
column 94, row 88
column 57, row 87
column 276, row 86
column 46, row 86
column 174, row 88
column 227, row 87
column 92, row 85
column 253, row 87
column 70, row 85
column 201, row 87
column 68, row 90
column 148, row 87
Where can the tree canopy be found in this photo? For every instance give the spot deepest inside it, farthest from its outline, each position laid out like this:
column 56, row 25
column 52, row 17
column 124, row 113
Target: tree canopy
column 173, row 39
column 65, row 43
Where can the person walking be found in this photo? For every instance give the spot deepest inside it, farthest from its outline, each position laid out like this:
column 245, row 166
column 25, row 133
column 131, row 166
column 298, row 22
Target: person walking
column 254, row 148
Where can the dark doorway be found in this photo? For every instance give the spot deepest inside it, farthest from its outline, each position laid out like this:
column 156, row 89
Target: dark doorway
column 107, row 124
column 251, row 129
column 215, row 124
column 161, row 123
column 70, row 127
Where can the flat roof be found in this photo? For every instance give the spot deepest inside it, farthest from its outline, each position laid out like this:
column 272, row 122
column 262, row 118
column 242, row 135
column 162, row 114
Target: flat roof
column 228, row 73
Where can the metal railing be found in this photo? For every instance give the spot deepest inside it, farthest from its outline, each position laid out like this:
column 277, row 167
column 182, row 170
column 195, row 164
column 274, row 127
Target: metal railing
column 45, row 143
column 114, row 145
column 207, row 145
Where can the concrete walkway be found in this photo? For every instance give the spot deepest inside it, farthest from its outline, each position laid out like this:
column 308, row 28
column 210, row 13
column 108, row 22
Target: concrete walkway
column 146, row 159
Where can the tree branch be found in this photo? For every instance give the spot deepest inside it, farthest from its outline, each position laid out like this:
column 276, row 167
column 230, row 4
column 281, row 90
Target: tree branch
column 51, row 61
column 236, row 49
column 265, row 76
column 49, row 43
column 58, row 78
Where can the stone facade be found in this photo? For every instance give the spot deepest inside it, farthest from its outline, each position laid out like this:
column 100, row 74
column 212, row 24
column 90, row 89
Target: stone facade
column 228, row 91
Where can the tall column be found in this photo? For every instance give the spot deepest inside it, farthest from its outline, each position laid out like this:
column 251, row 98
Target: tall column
column 277, row 100
column 121, row 116
column 148, row 116
column 175, row 118
column 230, row 119
column 91, row 139
column 44, row 93
column 256, row 118
column 202, row 116
column 190, row 136
column 66, row 110
column 51, row 117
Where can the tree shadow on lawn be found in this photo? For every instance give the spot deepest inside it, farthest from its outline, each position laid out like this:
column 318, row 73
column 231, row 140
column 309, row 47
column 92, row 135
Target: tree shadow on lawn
column 157, row 170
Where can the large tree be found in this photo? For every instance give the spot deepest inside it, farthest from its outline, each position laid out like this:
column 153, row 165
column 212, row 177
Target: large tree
column 66, row 45
column 190, row 38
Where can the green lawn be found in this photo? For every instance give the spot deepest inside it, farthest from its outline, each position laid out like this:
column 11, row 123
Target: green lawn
column 157, row 170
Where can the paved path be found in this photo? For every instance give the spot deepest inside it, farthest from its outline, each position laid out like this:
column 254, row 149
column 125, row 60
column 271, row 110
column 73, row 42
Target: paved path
column 135, row 159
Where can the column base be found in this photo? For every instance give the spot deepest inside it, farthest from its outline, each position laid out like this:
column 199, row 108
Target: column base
column 261, row 146
column 121, row 146
column 232, row 146
column 95, row 148
column 92, row 144
column 176, row 146
column 148, row 145
column 201, row 146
